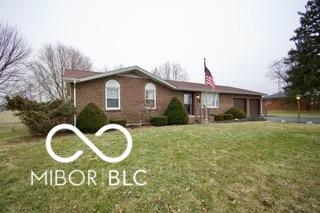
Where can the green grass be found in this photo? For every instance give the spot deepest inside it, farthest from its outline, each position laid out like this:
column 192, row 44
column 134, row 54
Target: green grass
column 7, row 117
column 241, row 167
column 306, row 114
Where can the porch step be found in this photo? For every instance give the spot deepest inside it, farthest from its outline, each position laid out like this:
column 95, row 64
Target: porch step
column 192, row 119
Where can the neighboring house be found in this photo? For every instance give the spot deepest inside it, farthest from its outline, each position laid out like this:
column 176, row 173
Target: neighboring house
column 280, row 101
column 134, row 94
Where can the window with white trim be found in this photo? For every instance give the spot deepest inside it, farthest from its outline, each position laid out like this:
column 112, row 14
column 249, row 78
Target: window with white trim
column 210, row 100
column 150, row 95
column 112, row 95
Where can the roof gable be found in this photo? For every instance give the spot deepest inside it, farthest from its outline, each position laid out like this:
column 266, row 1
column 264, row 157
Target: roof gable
column 81, row 77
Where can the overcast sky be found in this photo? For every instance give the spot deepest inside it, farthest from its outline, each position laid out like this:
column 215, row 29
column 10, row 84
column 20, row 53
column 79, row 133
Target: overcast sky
column 238, row 38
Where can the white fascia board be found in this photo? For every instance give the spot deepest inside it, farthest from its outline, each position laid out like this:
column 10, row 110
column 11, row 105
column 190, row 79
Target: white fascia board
column 215, row 91
column 70, row 79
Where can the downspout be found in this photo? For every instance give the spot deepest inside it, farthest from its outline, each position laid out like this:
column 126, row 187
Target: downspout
column 261, row 106
column 74, row 103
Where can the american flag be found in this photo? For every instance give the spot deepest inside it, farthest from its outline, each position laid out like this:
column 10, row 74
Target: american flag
column 208, row 78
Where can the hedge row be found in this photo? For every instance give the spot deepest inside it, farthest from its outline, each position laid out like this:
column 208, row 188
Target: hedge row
column 159, row 120
column 232, row 113
column 236, row 112
column 92, row 118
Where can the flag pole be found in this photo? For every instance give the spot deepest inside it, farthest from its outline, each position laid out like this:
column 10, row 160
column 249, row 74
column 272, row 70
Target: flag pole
column 205, row 99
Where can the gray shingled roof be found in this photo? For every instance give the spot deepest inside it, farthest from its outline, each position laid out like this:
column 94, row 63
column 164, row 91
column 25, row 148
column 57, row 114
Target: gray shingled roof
column 275, row 95
column 190, row 86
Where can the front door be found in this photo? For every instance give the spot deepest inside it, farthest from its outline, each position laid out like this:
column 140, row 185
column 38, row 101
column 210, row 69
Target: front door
column 187, row 101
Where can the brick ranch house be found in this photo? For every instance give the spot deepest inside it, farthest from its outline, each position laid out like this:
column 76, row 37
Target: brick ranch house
column 130, row 92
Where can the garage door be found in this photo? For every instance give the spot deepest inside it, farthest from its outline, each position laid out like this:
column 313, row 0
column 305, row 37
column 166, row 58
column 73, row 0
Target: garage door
column 254, row 107
column 240, row 103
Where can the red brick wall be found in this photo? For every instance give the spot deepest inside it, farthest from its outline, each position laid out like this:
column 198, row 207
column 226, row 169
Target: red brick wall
column 284, row 104
column 226, row 102
column 132, row 97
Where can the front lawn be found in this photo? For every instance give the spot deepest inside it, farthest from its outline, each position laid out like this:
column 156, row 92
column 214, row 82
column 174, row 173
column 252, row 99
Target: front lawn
column 288, row 113
column 242, row 167
column 8, row 117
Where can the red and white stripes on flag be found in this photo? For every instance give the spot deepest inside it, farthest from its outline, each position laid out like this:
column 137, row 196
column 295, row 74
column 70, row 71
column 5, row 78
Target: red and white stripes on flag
column 209, row 80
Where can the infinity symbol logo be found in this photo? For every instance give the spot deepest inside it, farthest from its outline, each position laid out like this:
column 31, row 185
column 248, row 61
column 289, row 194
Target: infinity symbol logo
column 88, row 143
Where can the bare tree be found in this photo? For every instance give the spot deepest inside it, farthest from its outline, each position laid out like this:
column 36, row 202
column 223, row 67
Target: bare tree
column 171, row 71
column 277, row 72
column 48, row 68
column 27, row 89
column 116, row 67
column 13, row 55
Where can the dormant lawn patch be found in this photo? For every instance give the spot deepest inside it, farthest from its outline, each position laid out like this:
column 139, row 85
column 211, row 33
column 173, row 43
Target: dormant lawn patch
column 242, row 166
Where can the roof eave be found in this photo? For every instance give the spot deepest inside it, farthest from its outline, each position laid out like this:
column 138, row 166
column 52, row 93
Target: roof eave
column 67, row 79
column 221, row 92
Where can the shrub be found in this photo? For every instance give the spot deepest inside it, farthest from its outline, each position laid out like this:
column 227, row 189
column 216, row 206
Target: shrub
column 122, row 122
column 227, row 117
column 176, row 113
column 91, row 119
column 40, row 118
column 256, row 118
column 236, row 112
column 159, row 120
column 218, row 117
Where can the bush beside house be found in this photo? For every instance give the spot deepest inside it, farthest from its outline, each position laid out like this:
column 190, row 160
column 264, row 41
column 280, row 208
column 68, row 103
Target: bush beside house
column 236, row 112
column 159, row 120
column 218, row 117
column 176, row 113
column 227, row 117
column 91, row 119
column 40, row 118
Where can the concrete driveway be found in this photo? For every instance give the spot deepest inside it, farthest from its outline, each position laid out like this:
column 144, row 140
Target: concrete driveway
column 292, row 119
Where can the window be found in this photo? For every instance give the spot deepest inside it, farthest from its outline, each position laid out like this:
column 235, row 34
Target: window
column 187, row 101
column 150, row 95
column 210, row 100
column 112, row 95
